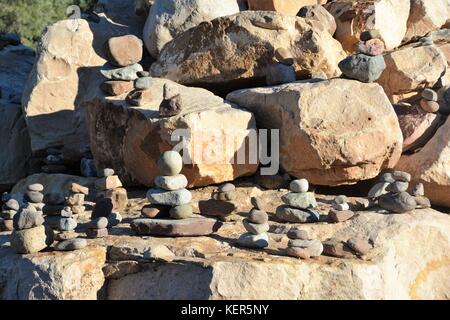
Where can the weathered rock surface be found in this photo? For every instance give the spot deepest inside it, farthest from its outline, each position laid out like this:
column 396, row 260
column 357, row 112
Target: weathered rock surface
column 430, row 166
column 354, row 17
column 337, row 144
column 131, row 139
column 169, row 18
column 189, row 227
column 290, row 7
column 246, row 42
column 319, row 13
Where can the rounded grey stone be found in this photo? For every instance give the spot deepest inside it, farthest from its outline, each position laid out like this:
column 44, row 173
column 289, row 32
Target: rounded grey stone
column 300, row 185
column 171, row 183
column 249, row 240
column 418, row 190
column 340, row 199
column 397, row 203
column 429, row 94
column 255, row 228
column 169, row 198
column 258, row 216
column 293, row 215
column 35, row 187
column 363, row 67
column 398, row 186
column 401, row 176
column 227, row 187
column 341, row 206
column 387, row 177
column 378, row 190
column 297, row 234
column 71, row 245
column 12, row 204
column 314, row 247
column 27, row 219
column 34, row 196
column 279, row 73
column 181, row 212
column 143, row 83
column 67, row 224
column 99, row 223
column 300, row 200
column 170, row 163
column 54, row 198
column 114, row 219
column 142, row 74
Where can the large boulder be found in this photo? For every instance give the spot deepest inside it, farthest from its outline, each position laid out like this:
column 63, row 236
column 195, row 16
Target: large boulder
column 431, row 166
column 356, row 16
column 426, row 16
column 66, row 74
column 168, row 18
column 331, row 132
column 234, row 52
column 131, row 139
column 290, row 7
column 411, row 69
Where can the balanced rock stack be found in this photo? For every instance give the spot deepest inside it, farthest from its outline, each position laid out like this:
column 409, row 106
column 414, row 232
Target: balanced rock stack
column 282, row 70
column 222, row 204
column 299, row 204
column 98, row 228
column 87, row 164
column 76, row 198
column 34, row 196
column 30, row 235
column 341, row 210
column 172, row 196
column 109, row 186
column 300, row 245
column 257, row 227
column 54, row 162
column 429, row 101
column 9, row 210
column 367, row 65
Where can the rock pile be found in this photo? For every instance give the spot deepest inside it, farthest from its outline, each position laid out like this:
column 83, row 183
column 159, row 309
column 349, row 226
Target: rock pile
column 54, row 162
column 341, row 210
column 300, row 204
column 9, row 210
column 34, row 196
column 257, row 227
column 222, row 204
column 110, row 186
column 429, row 101
column 98, row 228
column 300, row 245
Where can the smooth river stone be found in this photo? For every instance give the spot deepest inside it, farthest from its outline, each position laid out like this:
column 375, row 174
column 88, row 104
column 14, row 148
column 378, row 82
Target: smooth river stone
column 169, row 198
column 155, row 211
column 71, row 245
column 54, row 198
column 398, row 186
column 27, row 219
column 300, row 200
column 181, row 212
column 378, row 190
column 34, row 196
column 298, row 234
column 298, row 253
column 67, row 224
column 227, row 187
column 12, row 204
column 170, row 163
column 126, row 74
column 249, row 240
column 171, row 183
column 37, row 187
column 99, row 223
column 293, row 215
column 300, row 185
column 190, row 227
column 258, row 216
column 255, row 228
column 314, row 247
column 397, row 203
column 216, row 208
column 340, row 216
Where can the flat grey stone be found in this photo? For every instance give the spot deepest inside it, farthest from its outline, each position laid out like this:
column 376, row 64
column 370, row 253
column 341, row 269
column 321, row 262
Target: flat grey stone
column 293, row 215
column 249, row 240
column 169, row 198
column 397, row 203
column 255, row 228
column 171, row 183
column 126, row 73
column 300, row 200
column 71, row 245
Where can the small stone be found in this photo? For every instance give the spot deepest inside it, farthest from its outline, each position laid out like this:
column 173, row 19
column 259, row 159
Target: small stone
column 170, row 91
column 422, row 202
column 67, row 224
column 99, row 223
column 171, row 107
column 225, row 196
column 126, row 74
column 171, row 183
column 429, row 106
column 314, row 247
column 341, row 206
column 155, row 211
column 114, row 219
column 284, row 56
column 363, row 67
column 418, row 190
column 34, row 196
column 216, row 208
column 170, row 163
column 401, row 176
column 169, row 198
column 143, row 83
column 370, row 34
column 87, row 168
column 398, row 186
column 336, row 248
column 108, row 172
column 293, row 215
column 387, row 177
column 340, row 199
column 117, row 87
column 142, row 74
column 125, row 50
column 6, row 225
column 97, row 233
column 300, row 200
column 258, row 216
column 297, row 234
column 103, row 208
column 372, row 47
column 37, row 187
column 227, row 187
column 71, row 245
column 255, row 228
column 301, row 185
column 8, row 214
column 27, row 219
column 181, row 212
column 140, row 97
column 298, row 253
column 190, row 227
column 12, row 204
column 279, row 73
column 257, row 203
column 429, row 94
column 77, row 188
column 249, row 240
column 30, row 240
column 378, row 190
column 107, row 183
column 54, row 198
column 337, row 216
column 78, row 210
column 65, row 235
column 397, row 203
column 360, row 246
column 76, row 199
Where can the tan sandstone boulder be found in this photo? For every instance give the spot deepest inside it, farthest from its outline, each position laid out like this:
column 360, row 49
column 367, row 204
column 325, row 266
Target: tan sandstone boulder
column 234, row 52
column 431, row 166
column 356, row 16
column 331, row 132
column 290, row 7
column 131, row 139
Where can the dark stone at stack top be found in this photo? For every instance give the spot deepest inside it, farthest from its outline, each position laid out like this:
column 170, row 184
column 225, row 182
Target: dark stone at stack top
column 103, row 208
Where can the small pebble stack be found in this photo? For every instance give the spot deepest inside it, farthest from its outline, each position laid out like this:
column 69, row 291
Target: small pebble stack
column 222, row 204
column 34, row 196
column 9, row 210
column 429, row 101
column 172, row 104
column 282, row 70
column 257, row 227
column 341, row 210
column 87, row 164
column 98, row 228
column 367, row 65
column 299, row 204
column 59, row 215
column 54, row 162
column 171, row 193
column 301, row 246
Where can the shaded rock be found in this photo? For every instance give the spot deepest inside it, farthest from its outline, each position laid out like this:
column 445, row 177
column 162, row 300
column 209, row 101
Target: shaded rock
column 27, row 219
column 77, row 188
column 279, row 73
column 117, row 87
column 288, row 214
column 418, row 190
column 397, row 203
column 88, row 168
column 337, row 248
column 6, row 225
column 99, row 223
column 398, row 186
column 65, row 235
column 360, row 246
column 422, row 202
column 29, row 240
column 76, row 199
column 363, row 67
column 155, row 211
column 181, row 212
column 97, row 233
column 297, row 252
column 67, row 224
column 54, row 198
column 249, row 240
column 34, row 197
column 284, row 56
column 176, row 228
column 140, row 97
column 103, row 208
column 12, row 204
column 319, row 13
column 143, row 83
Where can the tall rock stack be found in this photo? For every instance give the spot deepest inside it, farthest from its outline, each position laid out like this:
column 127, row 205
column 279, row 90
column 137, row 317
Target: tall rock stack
column 9, row 210
column 58, row 212
column 110, row 187
column 257, row 227
column 222, row 204
column 341, row 210
column 98, row 228
column 300, row 245
column 34, row 196
column 300, row 204
column 76, row 198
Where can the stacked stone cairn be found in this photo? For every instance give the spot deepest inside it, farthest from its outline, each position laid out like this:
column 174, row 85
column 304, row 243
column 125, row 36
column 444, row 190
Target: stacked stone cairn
column 172, row 103
column 341, row 210
column 391, row 193
column 368, row 64
column 222, row 204
column 54, row 162
column 429, row 101
column 257, row 227
column 87, row 164
column 112, row 198
column 282, row 69
column 34, row 196
column 98, row 228
column 301, row 246
column 299, row 204
column 9, row 210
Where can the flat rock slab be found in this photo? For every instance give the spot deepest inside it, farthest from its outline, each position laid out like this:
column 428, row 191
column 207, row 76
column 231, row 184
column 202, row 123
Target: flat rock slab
column 190, row 227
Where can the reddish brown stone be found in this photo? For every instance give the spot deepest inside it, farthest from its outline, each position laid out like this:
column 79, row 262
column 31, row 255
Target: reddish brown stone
column 6, row 225
column 155, row 211
column 140, row 97
column 340, row 216
column 124, row 51
column 372, row 47
column 97, row 233
column 118, row 196
column 216, row 208
column 298, row 253
column 189, row 227
column 337, row 249
column 429, row 106
column 117, row 87
column 359, row 246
